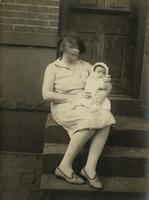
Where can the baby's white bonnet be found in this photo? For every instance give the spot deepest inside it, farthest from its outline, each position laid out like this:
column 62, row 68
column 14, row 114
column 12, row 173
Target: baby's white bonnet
column 103, row 65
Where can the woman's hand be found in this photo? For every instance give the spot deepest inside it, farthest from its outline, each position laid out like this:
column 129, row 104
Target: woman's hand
column 76, row 99
column 99, row 98
column 87, row 95
column 96, row 101
column 70, row 99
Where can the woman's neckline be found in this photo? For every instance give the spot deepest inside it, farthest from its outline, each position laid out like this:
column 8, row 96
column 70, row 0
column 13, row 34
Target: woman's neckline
column 68, row 64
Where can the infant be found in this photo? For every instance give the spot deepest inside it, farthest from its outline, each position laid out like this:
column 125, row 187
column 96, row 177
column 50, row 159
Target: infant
column 96, row 89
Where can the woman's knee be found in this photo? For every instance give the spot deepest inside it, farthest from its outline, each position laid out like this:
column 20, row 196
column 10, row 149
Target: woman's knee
column 104, row 130
column 87, row 133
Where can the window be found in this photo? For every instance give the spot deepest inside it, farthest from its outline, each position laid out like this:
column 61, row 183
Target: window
column 106, row 4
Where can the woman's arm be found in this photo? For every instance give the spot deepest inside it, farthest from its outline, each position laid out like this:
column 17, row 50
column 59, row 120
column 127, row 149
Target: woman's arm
column 48, row 88
column 102, row 94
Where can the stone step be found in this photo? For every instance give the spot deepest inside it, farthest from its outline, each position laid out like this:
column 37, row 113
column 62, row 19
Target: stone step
column 125, row 106
column 129, row 131
column 57, row 194
column 111, row 184
column 115, row 161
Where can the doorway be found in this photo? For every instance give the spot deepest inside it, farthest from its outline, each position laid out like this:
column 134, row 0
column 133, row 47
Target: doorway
column 109, row 29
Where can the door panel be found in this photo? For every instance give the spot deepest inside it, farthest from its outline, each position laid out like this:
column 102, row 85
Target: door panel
column 107, row 38
column 99, row 22
column 115, row 57
column 113, row 53
column 90, row 39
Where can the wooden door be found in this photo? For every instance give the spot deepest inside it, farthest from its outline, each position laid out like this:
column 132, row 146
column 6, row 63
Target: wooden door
column 108, row 35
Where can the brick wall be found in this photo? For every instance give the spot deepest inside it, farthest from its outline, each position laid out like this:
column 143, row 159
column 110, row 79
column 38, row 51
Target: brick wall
column 20, row 176
column 36, row 17
column 26, row 28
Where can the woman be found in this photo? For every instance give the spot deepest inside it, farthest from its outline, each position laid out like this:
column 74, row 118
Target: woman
column 64, row 82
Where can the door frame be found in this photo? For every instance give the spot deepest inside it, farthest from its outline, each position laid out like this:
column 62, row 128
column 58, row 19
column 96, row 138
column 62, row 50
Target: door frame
column 138, row 16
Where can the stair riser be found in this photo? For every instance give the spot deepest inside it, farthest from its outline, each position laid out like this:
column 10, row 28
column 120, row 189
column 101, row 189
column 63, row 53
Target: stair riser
column 121, row 185
column 128, row 138
column 125, row 107
column 107, row 166
column 56, row 134
column 106, row 195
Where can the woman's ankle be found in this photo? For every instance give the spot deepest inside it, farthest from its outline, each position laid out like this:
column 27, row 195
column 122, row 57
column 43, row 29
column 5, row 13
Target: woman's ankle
column 90, row 172
column 66, row 169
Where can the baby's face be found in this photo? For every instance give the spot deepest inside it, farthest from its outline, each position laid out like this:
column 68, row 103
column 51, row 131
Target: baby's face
column 100, row 72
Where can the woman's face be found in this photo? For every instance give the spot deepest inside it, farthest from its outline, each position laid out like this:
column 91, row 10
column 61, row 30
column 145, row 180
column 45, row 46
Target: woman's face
column 71, row 51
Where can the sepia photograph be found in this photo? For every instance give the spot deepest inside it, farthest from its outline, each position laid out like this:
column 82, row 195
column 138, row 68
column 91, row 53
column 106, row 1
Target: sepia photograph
column 74, row 100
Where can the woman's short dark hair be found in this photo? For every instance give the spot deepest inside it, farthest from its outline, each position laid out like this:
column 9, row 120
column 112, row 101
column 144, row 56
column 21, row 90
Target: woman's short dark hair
column 74, row 40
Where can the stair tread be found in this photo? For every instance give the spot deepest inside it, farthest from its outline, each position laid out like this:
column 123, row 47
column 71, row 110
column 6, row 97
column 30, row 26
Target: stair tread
column 134, row 123
column 123, row 123
column 111, row 184
column 127, row 152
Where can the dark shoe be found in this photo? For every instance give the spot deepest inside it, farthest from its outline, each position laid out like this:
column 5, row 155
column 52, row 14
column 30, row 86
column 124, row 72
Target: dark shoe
column 73, row 179
column 93, row 182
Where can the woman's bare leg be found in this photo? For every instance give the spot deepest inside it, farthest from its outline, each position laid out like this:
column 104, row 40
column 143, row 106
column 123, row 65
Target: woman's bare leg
column 77, row 141
column 96, row 147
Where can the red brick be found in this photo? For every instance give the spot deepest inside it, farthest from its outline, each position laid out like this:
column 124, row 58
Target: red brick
column 13, row 21
column 4, row 13
column 14, row 180
column 4, row 27
column 32, row 2
column 29, row 29
column 1, row 6
column 27, row 8
column 37, row 22
column 29, row 181
column 3, row 181
column 38, row 2
column 19, row 163
column 39, row 9
column 45, row 16
column 55, row 3
column 46, row 30
column 1, row 19
column 9, row 195
column 5, row 170
column 53, row 17
column 30, row 162
column 53, row 23
column 7, row 158
column 53, row 10
column 30, row 16
column 14, row 7
column 17, row 183
column 20, row 195
column 8, row 1
column 27, row 15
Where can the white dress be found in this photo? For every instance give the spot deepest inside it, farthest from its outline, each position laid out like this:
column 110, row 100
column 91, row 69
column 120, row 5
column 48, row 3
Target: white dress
column 73, row 82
